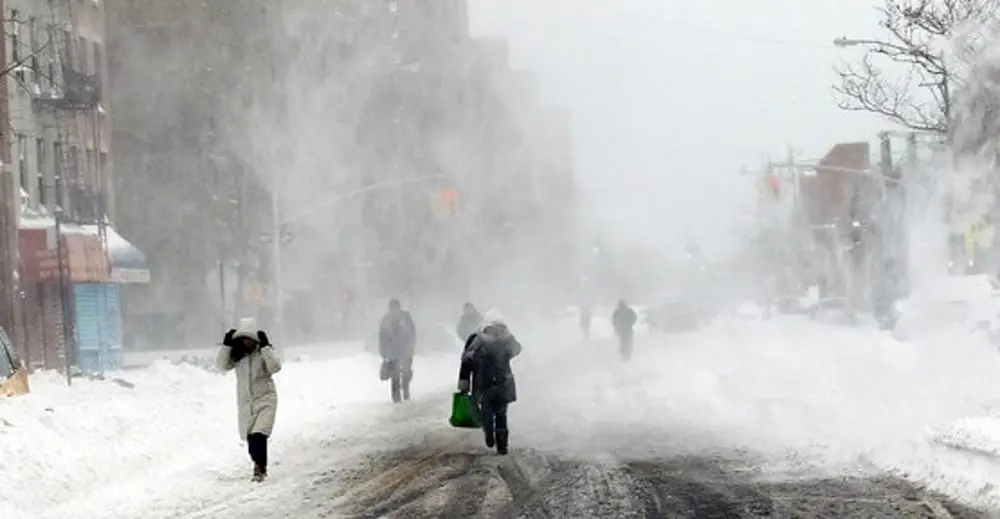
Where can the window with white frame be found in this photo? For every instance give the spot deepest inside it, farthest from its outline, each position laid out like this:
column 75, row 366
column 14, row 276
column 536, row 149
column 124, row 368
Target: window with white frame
column 41, row 160
column 22, row 161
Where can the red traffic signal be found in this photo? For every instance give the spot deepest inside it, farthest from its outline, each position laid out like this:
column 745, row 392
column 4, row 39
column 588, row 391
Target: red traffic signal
column 774, row 184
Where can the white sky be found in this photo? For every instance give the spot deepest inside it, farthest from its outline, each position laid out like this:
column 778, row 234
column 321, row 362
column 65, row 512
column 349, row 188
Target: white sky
column 670, row 98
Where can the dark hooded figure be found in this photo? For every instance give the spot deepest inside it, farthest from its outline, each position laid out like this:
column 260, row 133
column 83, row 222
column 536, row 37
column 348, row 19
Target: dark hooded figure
column 486, row 372
column 397, row 338
column 468, row 323
column 585, row 318
column 623, row 319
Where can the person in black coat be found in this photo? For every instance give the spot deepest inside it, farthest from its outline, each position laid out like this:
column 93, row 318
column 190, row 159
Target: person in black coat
column 486, row 373
column 397, row 338
column 468, row 323
column 585, row 318
column 623, row 320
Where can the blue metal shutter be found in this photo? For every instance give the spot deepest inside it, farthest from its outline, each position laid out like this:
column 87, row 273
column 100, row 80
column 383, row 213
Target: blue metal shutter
column 109, row 310
column 88, row 330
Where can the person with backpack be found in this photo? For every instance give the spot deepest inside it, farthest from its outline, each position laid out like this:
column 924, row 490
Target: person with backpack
column 486, row 374
column 623, row 320
column 397, row 338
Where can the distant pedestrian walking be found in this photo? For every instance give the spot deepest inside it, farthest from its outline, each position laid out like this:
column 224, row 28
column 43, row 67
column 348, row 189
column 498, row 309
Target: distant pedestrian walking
column 397, row 338
column 623, row 320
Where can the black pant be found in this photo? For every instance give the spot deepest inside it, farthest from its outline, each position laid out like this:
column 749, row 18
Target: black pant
column 493, row 412
column 401, row 378
column 625, row 345
column 257, row 445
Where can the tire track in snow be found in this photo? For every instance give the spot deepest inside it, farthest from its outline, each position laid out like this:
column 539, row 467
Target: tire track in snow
column 540, row 487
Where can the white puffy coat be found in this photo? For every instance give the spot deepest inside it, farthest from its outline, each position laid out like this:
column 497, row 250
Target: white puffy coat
column 256, row 396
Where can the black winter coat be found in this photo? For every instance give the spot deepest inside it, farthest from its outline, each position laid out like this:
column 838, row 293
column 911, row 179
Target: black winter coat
column 486, row 360
column 397, row 336
column 623, row 320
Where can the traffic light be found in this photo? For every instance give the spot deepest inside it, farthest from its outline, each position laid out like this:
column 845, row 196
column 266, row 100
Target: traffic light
column 450, row 197
column 445, row 202
column 774, row 185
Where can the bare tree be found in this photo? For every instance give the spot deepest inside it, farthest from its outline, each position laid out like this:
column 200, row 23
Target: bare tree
column 25, row 54
column 906, row 74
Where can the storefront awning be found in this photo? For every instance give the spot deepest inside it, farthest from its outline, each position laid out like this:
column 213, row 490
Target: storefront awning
column 128, row 263
column 82, row 260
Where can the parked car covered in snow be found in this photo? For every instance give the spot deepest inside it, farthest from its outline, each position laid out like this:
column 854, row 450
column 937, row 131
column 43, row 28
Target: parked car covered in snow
column 673, row 313
column 13, row 375
column 970, row 302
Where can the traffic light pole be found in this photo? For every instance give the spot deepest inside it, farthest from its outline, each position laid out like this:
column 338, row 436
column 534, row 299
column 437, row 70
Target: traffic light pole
column 278, row 221
column 333, row 200
column 279, row 294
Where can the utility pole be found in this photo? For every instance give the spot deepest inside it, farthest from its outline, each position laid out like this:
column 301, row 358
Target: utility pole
column 68, row 346
column 279, row 295
column 9, row 208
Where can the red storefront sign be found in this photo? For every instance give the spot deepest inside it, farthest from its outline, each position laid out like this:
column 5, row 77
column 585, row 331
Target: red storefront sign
column 84, row 260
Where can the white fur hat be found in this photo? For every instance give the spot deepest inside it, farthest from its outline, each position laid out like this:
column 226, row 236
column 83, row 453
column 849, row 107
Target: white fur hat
column 492, row 316
column 247, row 329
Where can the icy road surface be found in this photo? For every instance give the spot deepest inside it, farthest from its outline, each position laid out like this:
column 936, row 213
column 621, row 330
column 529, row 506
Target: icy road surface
column 742, row 418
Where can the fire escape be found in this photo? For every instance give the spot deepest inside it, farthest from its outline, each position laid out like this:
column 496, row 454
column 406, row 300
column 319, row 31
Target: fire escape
column 68, row 102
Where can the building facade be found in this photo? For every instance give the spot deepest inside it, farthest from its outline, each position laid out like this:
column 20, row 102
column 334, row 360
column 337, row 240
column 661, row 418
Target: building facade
column 72, row 260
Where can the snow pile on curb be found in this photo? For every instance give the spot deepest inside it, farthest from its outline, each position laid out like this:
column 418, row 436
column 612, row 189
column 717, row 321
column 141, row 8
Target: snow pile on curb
column 792, row 391
column 57, row 441
column 64, row 449
column 981, row 434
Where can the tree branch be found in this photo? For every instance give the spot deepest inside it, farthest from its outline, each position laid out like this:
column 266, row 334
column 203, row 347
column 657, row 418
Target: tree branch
column 916, row 31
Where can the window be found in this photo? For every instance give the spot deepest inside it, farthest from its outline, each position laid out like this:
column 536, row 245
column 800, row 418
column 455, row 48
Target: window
column 15, row 44
column 40, row 157
column 57, row 170
column 72, row 173
column 98, row 59
column 83, row 58
column 50, row 57
column 22, row 162
column 33, row 41
column 68, row 48
column 92, row 166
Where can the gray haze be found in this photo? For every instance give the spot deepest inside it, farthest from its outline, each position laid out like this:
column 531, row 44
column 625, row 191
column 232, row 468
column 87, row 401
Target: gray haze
column 671, row 98
column 616, row 127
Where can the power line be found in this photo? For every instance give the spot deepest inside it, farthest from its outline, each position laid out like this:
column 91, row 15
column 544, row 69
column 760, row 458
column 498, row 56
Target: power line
column 716, row 32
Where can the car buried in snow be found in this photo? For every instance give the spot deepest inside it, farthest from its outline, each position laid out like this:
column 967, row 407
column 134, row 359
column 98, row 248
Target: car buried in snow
column 674, row 313
column 13, row 373
column 969, row 303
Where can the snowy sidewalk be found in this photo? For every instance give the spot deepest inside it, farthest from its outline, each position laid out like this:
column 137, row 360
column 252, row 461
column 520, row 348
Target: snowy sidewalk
column 169, row 447
column 169, row 444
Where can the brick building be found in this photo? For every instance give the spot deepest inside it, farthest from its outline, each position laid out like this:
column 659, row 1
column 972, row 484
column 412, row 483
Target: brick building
column 60, row 151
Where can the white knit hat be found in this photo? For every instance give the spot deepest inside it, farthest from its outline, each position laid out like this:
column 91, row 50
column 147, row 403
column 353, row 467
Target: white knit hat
column 247, row 329
column 492, row 316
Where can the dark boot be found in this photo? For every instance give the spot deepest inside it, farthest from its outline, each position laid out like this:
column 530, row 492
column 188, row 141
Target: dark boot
column 257, row 444
column 395, row 389
column 407, row 378
column 502, row 437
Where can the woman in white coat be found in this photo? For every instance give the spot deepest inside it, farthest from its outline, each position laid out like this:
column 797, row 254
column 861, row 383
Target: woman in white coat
column 248, row 351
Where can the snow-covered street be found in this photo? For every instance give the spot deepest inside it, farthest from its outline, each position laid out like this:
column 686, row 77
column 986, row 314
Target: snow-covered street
column 798, row 398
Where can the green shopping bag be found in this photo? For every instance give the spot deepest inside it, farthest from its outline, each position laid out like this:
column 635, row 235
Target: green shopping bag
column 464, row 412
